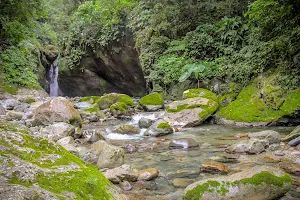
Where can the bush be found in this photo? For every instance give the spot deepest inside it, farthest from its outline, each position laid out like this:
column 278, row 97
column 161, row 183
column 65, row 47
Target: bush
column 19, row 67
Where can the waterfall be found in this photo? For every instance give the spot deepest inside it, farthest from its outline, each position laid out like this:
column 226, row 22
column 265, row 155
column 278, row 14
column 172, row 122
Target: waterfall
column 53, row 75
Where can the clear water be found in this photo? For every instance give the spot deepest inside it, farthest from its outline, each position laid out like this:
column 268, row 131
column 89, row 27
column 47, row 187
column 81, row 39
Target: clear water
column 154, row 152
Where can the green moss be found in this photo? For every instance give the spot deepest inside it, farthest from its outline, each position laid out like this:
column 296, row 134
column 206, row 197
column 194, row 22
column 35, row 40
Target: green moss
column 29, row 100
column 199, row 92
column 198, row 191
column 177, row 109
column 11, row 89
column 86, row 182
column 269, row 178
column 208, row 109
column 152, row 99
column 224, row 100
column 106, row 101
column 94, row 109
column 251, row 106
column 222, row 187
column 164, row 125
column 92, row 99
column 15, row 180
column 126, row 99
column 10, row 163
column 121, row 106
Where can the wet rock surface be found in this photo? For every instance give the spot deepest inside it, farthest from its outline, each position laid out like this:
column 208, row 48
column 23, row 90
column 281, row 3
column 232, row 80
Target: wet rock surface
column 183, row 143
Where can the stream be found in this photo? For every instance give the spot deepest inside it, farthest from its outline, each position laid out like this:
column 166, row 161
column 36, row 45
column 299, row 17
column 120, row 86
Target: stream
column 177, row 167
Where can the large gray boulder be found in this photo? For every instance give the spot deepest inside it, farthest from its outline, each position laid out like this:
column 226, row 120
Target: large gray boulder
column 259, row 183
column 190, row 112
column 58, row 109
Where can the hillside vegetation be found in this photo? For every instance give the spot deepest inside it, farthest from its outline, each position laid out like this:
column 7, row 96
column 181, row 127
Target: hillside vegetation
column 231, row 42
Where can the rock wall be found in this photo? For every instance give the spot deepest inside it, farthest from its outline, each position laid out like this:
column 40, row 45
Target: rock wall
column 115, row 69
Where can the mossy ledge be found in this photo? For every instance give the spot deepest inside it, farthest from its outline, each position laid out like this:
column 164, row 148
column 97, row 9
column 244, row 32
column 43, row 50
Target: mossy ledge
column 260, row 102
column 67, row 173
column 225, row 187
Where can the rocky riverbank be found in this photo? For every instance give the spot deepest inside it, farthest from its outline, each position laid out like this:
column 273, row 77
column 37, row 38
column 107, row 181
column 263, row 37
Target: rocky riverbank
column 146, row 148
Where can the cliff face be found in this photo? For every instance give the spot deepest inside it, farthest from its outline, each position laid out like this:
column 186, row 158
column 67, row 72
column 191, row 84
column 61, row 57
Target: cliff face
column 115, row 69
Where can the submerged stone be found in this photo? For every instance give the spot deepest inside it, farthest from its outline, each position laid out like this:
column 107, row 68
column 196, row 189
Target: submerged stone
column 213, row 167
column 148, row 174
column 127, row 129
column 183, row 143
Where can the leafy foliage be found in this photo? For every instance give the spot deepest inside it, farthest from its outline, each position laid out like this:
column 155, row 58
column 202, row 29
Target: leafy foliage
column 18, row 67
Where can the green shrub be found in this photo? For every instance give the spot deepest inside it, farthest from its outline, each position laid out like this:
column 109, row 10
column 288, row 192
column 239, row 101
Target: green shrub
column 19, row 67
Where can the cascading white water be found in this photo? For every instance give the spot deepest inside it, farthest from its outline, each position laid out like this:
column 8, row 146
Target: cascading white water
column 53, row 74
column 53, row 78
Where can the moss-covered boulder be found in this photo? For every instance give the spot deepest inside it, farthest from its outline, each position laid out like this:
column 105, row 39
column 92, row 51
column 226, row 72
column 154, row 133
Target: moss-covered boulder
column 58, row 109
column 259, row 183
column 90, row 99
column 34, row 168
column 106, row 101
column 120, row 109
column 261, row 103
column 159, row 128
column 190, row 112
column 199, row 92
column 152, row 102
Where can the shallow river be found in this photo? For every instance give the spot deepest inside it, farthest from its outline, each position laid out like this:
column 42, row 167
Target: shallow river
column 174, row 164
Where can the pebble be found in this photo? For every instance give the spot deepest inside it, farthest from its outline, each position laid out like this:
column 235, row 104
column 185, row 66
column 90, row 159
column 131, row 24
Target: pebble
column 279, row 153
